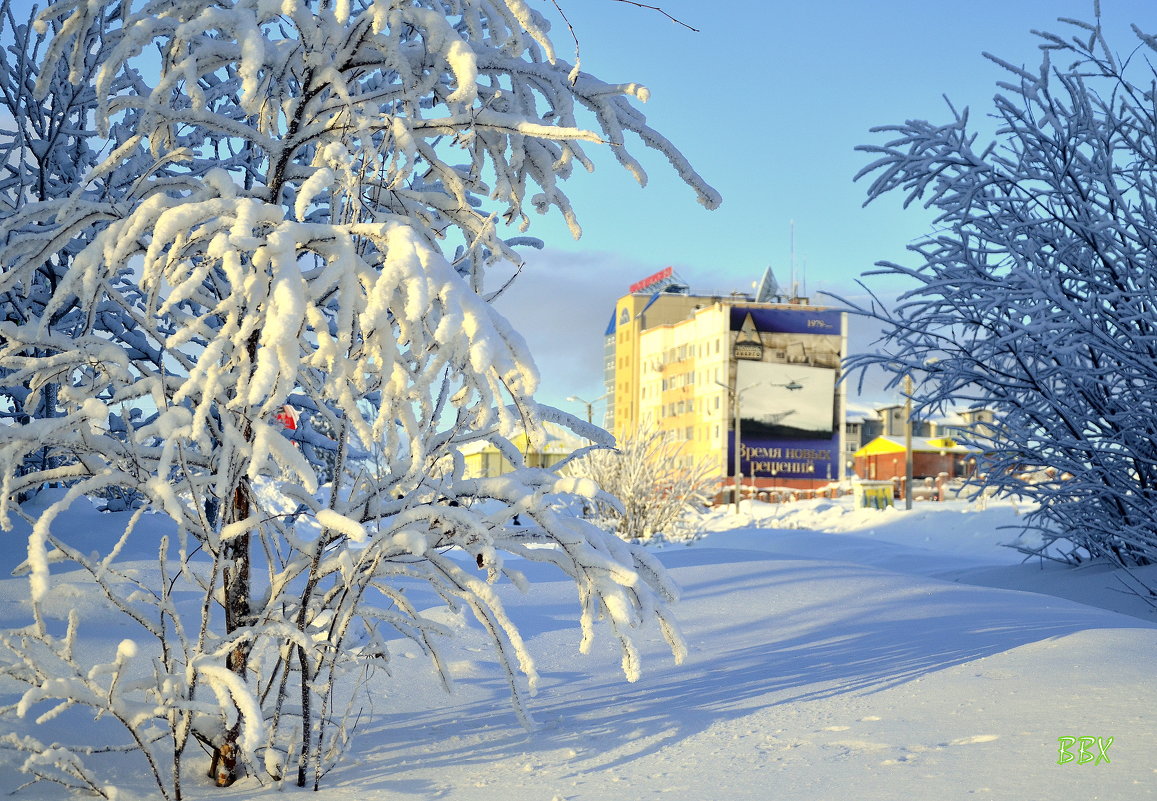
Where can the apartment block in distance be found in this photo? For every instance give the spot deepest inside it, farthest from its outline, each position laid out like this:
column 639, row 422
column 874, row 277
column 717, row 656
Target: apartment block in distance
column 678, row 360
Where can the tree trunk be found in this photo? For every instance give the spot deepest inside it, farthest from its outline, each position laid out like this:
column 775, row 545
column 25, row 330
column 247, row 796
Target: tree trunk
column 235, row 561
column 238, row 614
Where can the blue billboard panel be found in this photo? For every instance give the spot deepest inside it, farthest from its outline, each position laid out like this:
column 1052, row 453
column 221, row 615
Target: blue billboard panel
column 788, row 426
column 763, row 457
column 797, row 320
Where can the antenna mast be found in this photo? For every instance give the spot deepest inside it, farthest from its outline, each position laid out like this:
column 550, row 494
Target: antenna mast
column 794, row 283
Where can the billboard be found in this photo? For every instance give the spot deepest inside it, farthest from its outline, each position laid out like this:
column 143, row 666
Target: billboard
column 786, row 370
column 798, row 320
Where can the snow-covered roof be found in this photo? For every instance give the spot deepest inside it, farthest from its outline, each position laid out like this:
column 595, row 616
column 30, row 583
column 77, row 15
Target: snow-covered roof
column 855, row 412
column 886, row 444
column 558, row 440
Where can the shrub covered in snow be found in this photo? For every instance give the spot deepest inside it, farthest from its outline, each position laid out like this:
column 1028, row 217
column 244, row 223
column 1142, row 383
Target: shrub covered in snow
column 658, row 495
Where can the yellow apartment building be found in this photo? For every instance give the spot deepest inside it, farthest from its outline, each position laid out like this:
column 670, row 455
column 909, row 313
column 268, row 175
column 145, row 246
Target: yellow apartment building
column 678, row 360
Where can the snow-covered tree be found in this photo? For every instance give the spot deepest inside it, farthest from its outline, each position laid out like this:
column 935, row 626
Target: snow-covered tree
column 317, row 189
column 1036, row 296
column 45, row 147
column 659, row 495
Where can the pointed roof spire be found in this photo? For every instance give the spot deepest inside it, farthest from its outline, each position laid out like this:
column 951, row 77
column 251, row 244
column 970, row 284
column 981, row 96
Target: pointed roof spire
column 768, row 289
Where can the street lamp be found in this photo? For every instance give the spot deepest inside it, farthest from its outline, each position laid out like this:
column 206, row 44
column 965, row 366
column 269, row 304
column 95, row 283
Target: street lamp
column 735, row 396
column 908, row 442
column 589, row 404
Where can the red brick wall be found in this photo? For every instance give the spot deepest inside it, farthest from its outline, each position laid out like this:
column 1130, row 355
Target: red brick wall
column 924, row 465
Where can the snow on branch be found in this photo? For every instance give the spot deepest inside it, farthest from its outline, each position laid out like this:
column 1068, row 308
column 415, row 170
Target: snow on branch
column 1035, row 296
column 233, row 320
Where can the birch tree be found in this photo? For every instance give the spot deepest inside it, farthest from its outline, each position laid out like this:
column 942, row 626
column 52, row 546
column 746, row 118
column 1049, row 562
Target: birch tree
column 325, row 184
column 45, row 147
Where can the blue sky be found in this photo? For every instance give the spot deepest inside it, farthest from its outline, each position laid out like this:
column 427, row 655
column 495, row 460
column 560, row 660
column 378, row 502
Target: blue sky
column 768, row 100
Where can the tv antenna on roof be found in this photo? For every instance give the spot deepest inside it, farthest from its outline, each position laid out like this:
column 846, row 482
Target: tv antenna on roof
column 794, row 285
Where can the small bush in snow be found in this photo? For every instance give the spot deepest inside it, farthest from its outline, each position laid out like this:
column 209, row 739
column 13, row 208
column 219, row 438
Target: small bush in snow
column 657, row 495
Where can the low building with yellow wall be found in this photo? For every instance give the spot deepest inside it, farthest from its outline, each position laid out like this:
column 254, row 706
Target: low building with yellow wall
column 484, row 460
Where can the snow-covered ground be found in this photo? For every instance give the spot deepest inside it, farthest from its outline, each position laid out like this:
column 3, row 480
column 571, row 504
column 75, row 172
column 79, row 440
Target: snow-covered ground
column 835, row 653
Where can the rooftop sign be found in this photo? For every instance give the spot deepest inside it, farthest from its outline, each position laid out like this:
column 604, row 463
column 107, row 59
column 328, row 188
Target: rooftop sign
column 651, row 280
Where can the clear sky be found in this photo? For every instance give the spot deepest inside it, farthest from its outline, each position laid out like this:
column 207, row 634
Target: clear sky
column 768, row 100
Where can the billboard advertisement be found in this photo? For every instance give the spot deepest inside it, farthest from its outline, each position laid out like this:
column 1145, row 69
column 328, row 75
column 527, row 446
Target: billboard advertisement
column 799, row 320
column 786, row 368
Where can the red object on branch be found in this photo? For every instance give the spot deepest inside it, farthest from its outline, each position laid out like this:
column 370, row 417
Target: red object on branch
column 288, row 417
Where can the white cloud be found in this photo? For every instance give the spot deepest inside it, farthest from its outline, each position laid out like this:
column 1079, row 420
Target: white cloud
column 562, row 301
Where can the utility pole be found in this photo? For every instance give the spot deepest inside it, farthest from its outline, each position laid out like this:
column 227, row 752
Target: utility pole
column 908, row 442
column 738, row 441
column 738, row 466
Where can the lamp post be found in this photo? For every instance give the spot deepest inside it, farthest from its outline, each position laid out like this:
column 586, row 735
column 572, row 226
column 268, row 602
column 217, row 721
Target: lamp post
column 589, row 404
column 738, row 470
column 738, row 485
column 908, row 443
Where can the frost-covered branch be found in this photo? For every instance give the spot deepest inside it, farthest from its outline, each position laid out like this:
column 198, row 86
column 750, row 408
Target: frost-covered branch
column 1036, row 296
column 258, row 317
column 658, row 495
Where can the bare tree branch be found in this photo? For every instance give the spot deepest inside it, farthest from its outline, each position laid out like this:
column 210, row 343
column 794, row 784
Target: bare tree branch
column 676, row 20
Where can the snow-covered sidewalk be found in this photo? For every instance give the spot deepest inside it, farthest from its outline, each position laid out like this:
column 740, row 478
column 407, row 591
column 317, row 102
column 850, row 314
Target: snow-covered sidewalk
column 822, row 666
